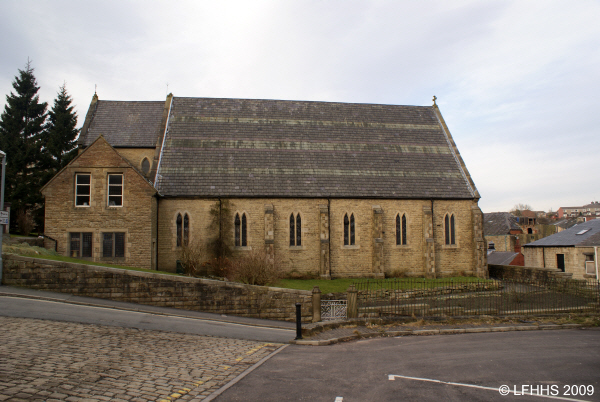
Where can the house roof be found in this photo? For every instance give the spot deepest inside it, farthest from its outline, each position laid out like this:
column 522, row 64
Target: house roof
column 123, row 124
column 578, row 235
column 566, row 223
column 274, row 148
column 501, row 257
column 499, row 223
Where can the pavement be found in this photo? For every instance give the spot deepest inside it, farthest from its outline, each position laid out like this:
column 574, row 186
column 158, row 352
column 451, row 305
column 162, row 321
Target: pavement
column 335, row 332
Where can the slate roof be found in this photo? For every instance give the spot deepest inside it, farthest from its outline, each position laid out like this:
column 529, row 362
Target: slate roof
column 273, row 148
column 123, row 124
column 566, row 223
column 569, row 237
column 501, row 257
column 499, row 223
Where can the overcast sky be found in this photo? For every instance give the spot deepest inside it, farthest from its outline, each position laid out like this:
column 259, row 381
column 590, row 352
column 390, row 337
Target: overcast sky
column 517, row 81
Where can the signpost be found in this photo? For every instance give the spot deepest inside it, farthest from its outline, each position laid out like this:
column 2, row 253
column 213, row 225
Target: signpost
column 4, row 218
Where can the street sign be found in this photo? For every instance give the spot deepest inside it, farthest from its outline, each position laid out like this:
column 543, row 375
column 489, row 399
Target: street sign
column 4, row 218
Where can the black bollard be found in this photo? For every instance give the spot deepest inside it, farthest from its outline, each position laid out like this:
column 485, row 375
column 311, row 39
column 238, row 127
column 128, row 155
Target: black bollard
column 298, row 321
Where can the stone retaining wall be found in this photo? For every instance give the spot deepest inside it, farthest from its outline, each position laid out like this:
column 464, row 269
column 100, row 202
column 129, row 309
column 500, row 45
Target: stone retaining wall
column 518, row 273
column 156, row 289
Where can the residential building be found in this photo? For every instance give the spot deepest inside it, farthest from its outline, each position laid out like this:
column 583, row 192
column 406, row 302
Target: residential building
column 574, row 250
column 589, row 211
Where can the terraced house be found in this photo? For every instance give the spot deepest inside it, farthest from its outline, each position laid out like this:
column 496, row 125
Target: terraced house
column 334, row 189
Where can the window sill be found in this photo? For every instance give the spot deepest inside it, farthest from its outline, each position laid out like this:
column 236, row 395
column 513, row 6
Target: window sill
column 297, row 248
column 352, row 247
column 450, row 246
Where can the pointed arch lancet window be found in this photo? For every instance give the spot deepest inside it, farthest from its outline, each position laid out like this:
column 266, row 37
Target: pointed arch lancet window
column 292, row 230
column 178, row 228
column 401, row 230
column 449, row 229
column 352, row 242
column 241, row 230
column 146, row 166
column 182, row 226
column 237, row 225
column 346, row 230
column 295, row 230
column 298, row 230
column 349, row 230
column 186, row 230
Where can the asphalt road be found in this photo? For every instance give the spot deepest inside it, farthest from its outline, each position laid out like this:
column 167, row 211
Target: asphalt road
column 407, row 368
column 57, row 311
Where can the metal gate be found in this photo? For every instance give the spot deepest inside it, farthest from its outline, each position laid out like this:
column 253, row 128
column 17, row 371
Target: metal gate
column 333, row 310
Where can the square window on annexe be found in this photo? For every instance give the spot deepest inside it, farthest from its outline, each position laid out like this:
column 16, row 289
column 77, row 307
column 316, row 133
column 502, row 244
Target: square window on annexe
column 81, row 245
column 83, row 189
column 113, row 245
column 115, row 190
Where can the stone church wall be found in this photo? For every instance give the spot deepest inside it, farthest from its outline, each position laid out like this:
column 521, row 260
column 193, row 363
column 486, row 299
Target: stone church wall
column 323, row 253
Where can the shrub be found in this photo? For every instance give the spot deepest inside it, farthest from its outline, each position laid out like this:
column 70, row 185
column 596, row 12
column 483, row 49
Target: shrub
column 192, row 257
column 256, row 268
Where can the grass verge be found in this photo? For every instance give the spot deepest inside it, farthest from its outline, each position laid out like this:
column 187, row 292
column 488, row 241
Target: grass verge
column 25, row 250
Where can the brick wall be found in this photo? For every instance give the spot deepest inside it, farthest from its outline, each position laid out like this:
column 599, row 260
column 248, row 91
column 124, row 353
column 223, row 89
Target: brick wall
column 156, row 289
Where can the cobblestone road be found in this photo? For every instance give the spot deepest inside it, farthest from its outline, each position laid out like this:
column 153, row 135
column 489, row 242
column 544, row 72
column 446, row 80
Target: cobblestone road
column 58, row 361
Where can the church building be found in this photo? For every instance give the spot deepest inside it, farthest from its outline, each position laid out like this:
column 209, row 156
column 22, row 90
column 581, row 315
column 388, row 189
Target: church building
column 331, row 189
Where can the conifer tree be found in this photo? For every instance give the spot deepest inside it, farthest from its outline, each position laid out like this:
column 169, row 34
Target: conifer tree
column 61, row 138
column 22, row 131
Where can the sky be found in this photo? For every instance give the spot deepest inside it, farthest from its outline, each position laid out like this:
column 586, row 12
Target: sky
column 516, row 81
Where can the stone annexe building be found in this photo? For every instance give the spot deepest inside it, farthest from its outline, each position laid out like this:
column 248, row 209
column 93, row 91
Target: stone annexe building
column 334, row 189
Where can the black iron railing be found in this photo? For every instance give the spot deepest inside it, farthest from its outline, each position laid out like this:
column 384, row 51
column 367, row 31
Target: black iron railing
column 473, row 296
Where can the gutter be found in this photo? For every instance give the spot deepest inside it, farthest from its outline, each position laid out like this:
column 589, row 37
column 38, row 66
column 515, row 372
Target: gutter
column 163, row 145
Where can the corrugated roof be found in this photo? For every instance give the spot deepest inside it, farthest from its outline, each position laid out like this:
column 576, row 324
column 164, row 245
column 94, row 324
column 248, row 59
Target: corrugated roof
column 570, row 237
column 124, row 124
column 499, row 223
column 274, row 148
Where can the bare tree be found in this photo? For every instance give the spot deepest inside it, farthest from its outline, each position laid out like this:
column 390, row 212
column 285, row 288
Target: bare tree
column 518, row 209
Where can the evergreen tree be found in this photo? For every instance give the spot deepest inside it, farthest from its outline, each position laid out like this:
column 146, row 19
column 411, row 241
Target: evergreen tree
column 22, row 131
column 62, row 135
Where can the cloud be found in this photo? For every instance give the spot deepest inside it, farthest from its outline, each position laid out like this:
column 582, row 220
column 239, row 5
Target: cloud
column 515, row 80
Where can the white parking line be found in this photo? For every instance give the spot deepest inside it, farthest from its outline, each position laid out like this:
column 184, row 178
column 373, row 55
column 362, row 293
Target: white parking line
column 392, row 377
